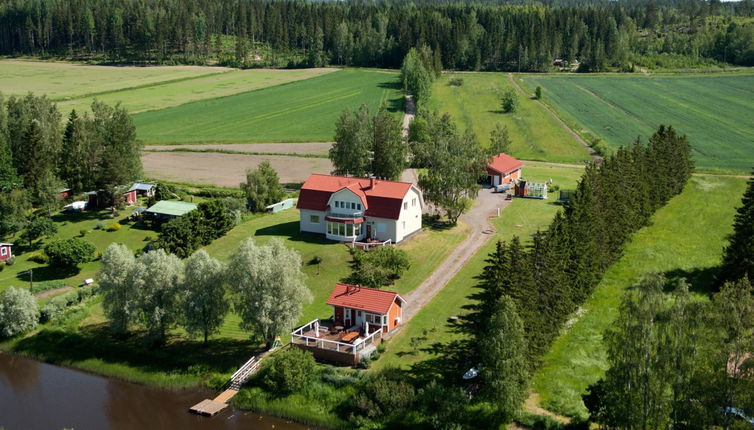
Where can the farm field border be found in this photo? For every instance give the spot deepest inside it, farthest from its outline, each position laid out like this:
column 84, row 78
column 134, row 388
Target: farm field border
column 676, row 244
column 711, row 109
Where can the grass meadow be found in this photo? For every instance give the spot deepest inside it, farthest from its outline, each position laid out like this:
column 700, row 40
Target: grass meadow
column 429, row 326
column 302, row 111
column 475, row 105
column 685, row 239
column 713, row 110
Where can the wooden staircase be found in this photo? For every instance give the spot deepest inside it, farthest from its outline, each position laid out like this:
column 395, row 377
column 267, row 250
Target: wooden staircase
column 212, row 407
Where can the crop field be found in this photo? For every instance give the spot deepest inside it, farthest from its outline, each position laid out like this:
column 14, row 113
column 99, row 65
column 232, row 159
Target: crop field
column 715, row 111
column 61, row 81
column 226, row 170
column 675, row 244
column 475, row 105
column 302, row 111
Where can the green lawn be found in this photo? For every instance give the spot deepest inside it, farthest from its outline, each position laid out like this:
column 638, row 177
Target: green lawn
column 713, row 110
column 71, row 225
column 685, row 239
column 522, row 218
column 173, row 93
column 61, row 81
column 535, row 134
column 302, row 111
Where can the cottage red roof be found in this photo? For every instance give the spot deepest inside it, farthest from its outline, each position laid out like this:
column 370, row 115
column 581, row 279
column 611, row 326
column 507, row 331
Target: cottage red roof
column 363, row 298
column 383, row 200
column 504, row 163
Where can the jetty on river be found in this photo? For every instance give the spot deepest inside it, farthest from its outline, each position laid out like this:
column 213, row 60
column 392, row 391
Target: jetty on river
column 211, row 407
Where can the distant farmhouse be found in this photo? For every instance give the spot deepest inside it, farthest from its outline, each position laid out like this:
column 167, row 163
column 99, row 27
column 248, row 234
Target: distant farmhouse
column 504, row 169
column 357, row 209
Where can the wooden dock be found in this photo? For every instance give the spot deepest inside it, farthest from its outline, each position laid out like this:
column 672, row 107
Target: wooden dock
column 213, row 407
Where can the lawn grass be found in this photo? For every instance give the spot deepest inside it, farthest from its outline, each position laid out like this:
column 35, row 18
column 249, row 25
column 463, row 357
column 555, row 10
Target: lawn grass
column 177, row 92
column 70, row 225
column 685, row 239
column 714, row 110
column 302, row 111
column 61, row 81
column 522, row 218
column 475, row 105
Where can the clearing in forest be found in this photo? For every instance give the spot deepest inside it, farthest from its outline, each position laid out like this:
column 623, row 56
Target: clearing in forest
column 714, row 110
column 302, row 111
column 473, row 100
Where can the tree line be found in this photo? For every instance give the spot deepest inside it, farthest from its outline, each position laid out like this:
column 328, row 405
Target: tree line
column 39, row 157
column 157, row 290
column 478, row 36
column 544, row 282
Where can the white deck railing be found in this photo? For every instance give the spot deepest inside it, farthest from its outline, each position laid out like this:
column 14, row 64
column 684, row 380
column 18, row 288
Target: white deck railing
column 367, row 245
column 318, row 342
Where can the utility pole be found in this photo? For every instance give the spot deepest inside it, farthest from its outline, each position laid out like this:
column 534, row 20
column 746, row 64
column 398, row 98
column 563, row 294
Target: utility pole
column 31, row 279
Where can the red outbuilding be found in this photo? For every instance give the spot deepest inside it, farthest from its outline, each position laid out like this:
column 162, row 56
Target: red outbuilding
column 504, row 169
column 5, row 251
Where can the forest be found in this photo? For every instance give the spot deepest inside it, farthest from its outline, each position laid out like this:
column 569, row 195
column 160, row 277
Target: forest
column 467, row 36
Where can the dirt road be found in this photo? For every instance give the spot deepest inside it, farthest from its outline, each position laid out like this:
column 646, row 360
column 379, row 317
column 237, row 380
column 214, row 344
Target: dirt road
column 482, row 231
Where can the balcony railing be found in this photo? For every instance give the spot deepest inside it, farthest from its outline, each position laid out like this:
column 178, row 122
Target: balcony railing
column 346, row 215
column 312, row 336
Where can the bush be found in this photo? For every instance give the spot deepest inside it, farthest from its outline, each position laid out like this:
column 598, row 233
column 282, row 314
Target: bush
column 365, row 362
column 18, row 312
column 289, row 371
column 53, row 309
column 113, row 227
column 99, row 226
column 83, row 232
column 379, row 267
column 456, row 82
column 46, row 286
column 538, row 93
column 11, row 261
column 385, row 393
column 509, row 101
column 70, row 252
column 38, row 257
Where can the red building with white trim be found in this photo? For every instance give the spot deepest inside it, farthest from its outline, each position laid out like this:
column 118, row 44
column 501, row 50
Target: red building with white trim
column 5, row 251
column 504, row 169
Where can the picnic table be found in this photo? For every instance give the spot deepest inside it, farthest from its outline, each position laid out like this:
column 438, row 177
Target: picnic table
column 349, row 336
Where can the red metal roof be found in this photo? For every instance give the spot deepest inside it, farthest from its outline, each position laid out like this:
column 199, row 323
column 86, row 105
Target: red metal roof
column 504, row 163
column 363, row 298
column 383, row 200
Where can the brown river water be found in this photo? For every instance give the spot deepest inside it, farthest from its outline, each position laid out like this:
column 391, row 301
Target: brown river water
column 40, row 396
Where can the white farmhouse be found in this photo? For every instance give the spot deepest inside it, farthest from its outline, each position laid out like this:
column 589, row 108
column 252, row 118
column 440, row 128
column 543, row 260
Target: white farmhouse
column 356, row 209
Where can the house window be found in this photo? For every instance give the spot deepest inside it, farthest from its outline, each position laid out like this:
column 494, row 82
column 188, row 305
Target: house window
column 353, row 205
column 314, row 219
column 358, row 313
column 413, row 202
column 404, row 225
column 358, row 206
column 405, row 205
column 3, row 251
column 384, row 320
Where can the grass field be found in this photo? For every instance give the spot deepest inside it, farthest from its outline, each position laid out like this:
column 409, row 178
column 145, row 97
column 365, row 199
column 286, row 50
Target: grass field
column 180, row 91
column 713, row 110
column 677, row 243
column 522, row 218
column 535, row 134
column 303, row 111
column 61, row 81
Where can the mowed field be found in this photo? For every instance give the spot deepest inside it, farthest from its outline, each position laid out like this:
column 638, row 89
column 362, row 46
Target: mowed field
column 715, row 111
column 302, row 111
column 475, row 105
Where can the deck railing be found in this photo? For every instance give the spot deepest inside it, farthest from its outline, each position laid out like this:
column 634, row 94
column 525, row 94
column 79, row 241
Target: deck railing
column 318, row 342
column 366, row 245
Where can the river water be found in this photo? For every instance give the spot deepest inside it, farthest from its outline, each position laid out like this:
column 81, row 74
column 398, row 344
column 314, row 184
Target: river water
column 40, row 396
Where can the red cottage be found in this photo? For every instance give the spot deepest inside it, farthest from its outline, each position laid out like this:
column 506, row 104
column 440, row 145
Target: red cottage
column 5, row 251
column 503, row 169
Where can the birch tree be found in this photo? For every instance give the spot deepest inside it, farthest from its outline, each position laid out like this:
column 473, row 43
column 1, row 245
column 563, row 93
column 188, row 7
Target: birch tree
column 204, row 301
column 268, row 287
column 158, row 278
column 116, row 282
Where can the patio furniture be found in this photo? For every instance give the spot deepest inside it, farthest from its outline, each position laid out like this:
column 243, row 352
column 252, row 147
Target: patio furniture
column 349, row 336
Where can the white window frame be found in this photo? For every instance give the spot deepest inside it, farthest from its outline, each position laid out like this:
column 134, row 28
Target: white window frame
column 314, row 219
column 405, row 205
column 4, row 251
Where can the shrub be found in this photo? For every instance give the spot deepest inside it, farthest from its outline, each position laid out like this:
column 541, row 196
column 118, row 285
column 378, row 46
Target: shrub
column 365, row 362
column 456, row 82
column 83, row 232
column 384, row 393
column 11, row 261
column 70, row 252
column 509, row 101
column 538, row 93
column 289, row 370
column 38, row 257
column 46, row 286
column 99, row 226
column 113, row 227
column 18, row 312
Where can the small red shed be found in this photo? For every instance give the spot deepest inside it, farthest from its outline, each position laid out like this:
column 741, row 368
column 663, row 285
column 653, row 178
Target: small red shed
column 357, row 306
column 65, row 193
column 504, row 169
column 5, row 251
column 130, row 197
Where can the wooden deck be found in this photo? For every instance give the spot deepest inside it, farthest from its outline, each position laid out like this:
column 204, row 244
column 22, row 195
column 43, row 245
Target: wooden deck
column 208, row 407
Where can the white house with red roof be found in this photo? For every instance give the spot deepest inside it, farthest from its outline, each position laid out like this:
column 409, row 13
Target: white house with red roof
column 504, row 169
column 357, row 209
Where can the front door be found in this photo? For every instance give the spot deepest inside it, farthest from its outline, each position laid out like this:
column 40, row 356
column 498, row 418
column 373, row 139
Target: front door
column 349, row 318
column 369, row 231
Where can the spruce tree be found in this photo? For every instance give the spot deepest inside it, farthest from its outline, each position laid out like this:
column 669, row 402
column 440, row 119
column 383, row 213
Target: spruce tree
column 491, row 285
column 738, row 258
column 583, row 266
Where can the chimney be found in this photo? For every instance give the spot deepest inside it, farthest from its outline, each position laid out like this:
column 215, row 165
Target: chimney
column 372, row 182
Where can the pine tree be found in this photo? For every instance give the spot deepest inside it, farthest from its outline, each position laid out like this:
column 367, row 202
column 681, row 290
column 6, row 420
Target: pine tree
column 738, row 258
column 504, row 362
